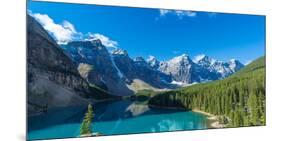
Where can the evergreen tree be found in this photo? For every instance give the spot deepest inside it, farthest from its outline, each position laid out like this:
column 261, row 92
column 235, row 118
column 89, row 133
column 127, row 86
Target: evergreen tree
column 240, row 97
column 253, row 107
column 86, row 126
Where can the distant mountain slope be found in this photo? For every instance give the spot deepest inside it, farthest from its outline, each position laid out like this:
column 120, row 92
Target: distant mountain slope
column 183, row 70
column 222, row 69
column 258, row 64
column 118, row 73
column 239, row 99
column 138, row 69
column 103, row 73
column 53, row 79
column 114, row 72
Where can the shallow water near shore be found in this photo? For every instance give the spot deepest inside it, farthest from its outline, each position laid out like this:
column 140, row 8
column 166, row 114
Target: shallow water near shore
column 113, row 118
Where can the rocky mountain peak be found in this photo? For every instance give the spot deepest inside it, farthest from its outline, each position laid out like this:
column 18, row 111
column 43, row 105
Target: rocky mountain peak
column 182, row 59
column 120, row 52
column 151, row 58
column 200, row 57
column 53, row 78
column 234, row 61
column 96, row 42
column 204, row 59
column 235, row 65
column 139, row 59
column 153, row 62
column 93, row 44
column 105, row 74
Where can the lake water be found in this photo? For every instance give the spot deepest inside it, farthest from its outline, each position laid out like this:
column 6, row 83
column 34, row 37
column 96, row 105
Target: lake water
column 113, row 118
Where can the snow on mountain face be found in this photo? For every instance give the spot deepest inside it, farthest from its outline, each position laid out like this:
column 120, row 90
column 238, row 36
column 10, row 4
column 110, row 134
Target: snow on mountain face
column 120, row 52
column 140, row 62
column 223, row 68
column 235, row 65
column 105, row 73
column 117, row 67
column 114, row 65
column 202, row 69
column 204, row 60
column 139, row 69
column 183, row 69
column 153, row 62
column 177, row 66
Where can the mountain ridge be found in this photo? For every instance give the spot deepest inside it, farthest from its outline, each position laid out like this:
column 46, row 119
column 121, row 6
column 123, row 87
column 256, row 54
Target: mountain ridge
column 52, row 78
column 115, row 71
column 239, row 100
column 176, row 72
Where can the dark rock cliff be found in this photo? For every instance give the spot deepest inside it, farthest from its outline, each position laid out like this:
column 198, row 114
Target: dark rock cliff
column 52, row 78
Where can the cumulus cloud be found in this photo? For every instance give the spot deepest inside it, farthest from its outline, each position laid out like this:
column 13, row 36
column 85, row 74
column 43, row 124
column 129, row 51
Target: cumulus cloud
column 65, row 32
column 62, row 32
column 106, row 41
column 179, row 13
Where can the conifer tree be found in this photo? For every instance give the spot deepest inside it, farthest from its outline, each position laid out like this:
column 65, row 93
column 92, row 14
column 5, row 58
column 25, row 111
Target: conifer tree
column 86, row 126
column 253, row 107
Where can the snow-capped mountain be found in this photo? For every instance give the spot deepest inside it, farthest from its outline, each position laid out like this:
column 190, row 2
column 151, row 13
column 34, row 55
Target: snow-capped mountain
column 224, row 69
column 97, row 65
column 204, row 61
column 120, row 52
column 141, row 62
column 153, row 62
column 179, row 67
column 118, row 73
column 139, row 69
column 235, row 65
column 113, row 71
column 53, row 78
column 184, row 70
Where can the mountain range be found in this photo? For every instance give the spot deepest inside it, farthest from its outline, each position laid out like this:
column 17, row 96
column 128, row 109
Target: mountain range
column 202, row 69
column 240, row 98
column 115, row 71
column 87, row 69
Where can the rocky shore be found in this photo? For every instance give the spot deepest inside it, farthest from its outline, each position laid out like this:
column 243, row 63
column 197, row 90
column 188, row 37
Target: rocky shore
column 213, row 119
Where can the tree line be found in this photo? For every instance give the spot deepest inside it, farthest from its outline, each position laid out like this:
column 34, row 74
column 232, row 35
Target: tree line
column 238, row 100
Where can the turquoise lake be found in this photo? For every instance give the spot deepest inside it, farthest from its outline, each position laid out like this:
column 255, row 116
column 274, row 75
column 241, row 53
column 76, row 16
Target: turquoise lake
column 113, row 118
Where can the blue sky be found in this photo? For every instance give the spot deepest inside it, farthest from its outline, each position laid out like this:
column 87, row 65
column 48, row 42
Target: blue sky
column 161, row 33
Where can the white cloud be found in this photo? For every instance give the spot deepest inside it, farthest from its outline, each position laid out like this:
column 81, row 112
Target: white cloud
column 63, row 32
column 69, row 26
column 106, row 41
column 66, row 32
column 179, row 13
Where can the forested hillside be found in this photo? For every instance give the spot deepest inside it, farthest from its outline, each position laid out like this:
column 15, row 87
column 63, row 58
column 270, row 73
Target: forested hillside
column 238, row 100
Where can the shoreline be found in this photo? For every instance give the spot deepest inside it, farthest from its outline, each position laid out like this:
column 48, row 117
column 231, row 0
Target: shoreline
column 213, row 121
column 165, row 107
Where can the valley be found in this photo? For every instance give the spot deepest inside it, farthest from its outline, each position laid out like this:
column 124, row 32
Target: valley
column 134, row 94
